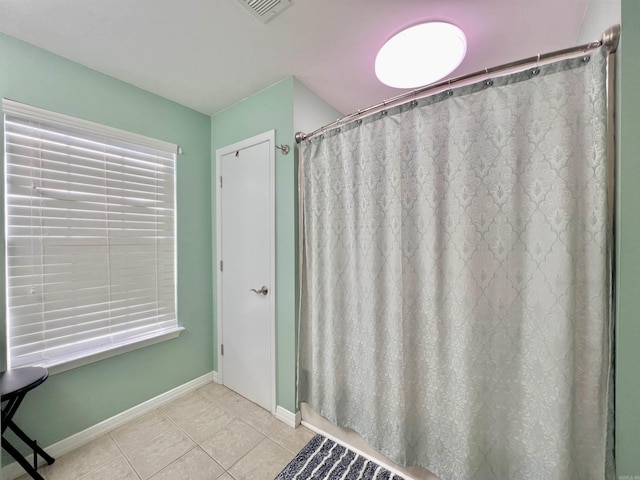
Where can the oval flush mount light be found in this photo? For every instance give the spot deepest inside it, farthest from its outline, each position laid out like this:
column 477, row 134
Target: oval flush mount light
column 420, row 55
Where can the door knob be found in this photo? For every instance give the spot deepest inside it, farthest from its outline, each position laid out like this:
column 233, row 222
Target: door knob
column 264, row 290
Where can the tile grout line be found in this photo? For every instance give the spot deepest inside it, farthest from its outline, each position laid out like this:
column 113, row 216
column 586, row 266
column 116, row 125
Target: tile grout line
column 251, row 449
column 171, row 422
column 124, row 455
column 198, row 444
column 45, row 472
column 177, row 425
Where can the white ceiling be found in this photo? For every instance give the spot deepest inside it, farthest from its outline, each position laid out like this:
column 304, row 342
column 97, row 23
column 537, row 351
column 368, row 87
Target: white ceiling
column 209, row 54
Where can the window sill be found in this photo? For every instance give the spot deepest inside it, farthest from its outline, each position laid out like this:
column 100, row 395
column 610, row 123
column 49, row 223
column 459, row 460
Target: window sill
column 112, row 351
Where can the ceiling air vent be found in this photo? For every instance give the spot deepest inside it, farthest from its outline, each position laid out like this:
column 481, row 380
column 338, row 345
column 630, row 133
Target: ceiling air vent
column 265, row 10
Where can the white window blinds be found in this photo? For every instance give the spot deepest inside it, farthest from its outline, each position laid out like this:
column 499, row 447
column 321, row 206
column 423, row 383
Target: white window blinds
column 90, row 237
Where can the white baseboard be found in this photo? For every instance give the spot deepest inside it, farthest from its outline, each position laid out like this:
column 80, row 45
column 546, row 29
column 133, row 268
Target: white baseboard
column 217, row 377
column 79, row 439
column 291, row 419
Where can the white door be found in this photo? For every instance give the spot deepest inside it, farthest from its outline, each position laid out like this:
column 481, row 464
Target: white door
column 245, row 235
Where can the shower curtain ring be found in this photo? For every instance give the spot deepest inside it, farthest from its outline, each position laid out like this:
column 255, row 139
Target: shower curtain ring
column 449, row 91
column 488, row 82
column 536, row 69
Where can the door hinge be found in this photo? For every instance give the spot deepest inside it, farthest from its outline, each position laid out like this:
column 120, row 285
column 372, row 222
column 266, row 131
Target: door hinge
column 222, row 349
column 220, row 181
column 221, row 266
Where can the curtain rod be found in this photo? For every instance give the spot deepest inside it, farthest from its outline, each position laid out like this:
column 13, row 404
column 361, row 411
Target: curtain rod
column 610, row 39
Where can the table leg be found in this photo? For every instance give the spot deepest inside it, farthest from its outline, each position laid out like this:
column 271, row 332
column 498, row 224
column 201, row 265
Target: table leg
column 11, row 450
column 37, row 449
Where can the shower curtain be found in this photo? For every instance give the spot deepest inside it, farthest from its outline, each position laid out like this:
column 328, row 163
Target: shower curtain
column 456, row 277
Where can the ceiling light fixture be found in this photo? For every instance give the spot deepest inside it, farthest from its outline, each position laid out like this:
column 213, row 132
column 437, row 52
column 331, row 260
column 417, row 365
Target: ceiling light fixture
column 421, row 55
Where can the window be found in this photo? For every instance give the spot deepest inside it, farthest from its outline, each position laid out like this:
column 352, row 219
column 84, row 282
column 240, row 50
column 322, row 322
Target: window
column 90, row 238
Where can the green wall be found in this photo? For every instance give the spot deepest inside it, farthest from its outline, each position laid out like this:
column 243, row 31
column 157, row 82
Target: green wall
column 71, row 401
column 628, row 248
column 271, row 109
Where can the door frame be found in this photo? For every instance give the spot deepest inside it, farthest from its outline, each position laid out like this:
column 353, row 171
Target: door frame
column 268, row 137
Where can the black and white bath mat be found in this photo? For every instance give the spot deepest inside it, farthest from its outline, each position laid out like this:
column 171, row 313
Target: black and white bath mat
column 324, row 459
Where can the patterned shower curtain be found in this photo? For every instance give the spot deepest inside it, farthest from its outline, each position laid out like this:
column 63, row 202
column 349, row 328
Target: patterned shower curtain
column 456, row 277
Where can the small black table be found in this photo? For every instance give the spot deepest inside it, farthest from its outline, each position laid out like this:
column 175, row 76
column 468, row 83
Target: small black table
column 14, row 386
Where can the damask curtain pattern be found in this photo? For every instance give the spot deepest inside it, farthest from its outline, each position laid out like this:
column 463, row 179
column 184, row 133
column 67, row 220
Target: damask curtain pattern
column 456, row 277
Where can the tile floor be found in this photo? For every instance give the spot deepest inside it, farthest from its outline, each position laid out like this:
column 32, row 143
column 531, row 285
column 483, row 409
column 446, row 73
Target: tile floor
column 209, row 434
